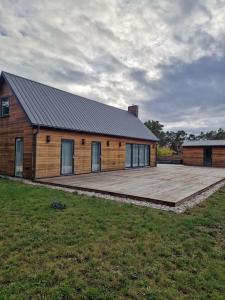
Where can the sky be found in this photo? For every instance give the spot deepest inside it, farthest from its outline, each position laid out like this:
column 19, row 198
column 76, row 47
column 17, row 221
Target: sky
column 167, row 56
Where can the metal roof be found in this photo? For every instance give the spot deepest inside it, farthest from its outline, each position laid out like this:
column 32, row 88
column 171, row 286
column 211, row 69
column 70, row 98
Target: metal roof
column 204, row 143
column 54, row 108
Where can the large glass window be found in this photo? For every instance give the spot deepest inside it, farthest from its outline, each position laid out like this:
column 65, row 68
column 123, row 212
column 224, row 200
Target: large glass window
column 147, row 155
column 128, row 156
column 5, row 107
column 135, row 156
column 141, row 155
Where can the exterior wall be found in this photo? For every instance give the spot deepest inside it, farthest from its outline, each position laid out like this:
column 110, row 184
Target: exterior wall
column 193, row 156
column 218, row 157
column 16, row 125
column 48, row 155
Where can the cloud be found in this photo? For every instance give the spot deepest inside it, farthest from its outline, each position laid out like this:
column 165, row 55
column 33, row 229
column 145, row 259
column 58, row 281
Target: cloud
column 192, row 94
column 166, row 56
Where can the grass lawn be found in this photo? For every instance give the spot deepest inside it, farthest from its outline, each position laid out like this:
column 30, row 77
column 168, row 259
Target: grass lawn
column 99, row 249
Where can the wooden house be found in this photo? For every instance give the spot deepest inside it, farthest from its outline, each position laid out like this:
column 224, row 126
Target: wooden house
column 47, row 132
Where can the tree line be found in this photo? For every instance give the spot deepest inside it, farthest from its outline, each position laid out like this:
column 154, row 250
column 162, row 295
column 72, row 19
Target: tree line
column 174, row 140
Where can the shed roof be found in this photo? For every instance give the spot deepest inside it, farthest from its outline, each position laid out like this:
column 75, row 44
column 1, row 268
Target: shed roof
column 50, row 107
column 204, row 143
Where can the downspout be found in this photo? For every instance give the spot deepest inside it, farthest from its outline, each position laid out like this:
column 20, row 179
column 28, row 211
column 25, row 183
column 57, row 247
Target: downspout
column 35, row 134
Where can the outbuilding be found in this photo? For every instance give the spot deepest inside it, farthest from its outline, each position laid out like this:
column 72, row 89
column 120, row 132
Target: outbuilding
column 208, row 153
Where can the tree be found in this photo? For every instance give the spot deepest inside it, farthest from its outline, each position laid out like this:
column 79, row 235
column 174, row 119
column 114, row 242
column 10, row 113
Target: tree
column 174, row 140
column 157, row 128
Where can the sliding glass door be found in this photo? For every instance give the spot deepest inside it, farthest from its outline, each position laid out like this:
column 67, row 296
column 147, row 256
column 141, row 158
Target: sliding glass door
column 141, row 155
column 128, row 155
column 137, row 155
column 147, row 155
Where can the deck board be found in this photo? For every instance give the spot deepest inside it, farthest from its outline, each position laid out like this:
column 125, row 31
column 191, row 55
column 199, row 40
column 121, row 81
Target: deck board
column 166, row 184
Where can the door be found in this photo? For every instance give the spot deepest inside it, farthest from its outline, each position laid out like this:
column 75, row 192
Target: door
column 19, row 157
column 96, row 157
column 67, row 154
column 147, row 155
column 141, row 155
column 208, row 156
column 135, row 156
column 128, row 155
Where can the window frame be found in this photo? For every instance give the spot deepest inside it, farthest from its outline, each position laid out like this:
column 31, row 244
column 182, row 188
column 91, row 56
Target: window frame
column 131, row 156
column 146, row 159
column 6, row 98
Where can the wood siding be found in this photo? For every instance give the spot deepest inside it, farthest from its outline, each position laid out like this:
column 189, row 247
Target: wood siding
column 48, row 155
column 218, row 157
column 16, row 125
column 193, row 156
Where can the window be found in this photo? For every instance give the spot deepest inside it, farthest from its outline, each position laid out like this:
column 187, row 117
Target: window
column 5, row 107
column 147, row 155
column 128, row 156
column 137, row 155
column 141, row 155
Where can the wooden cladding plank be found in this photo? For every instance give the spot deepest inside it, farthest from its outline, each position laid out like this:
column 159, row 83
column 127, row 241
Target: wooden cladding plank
column 112, row 155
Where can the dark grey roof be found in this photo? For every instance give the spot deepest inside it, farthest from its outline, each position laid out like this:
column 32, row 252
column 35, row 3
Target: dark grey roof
column 204, row 143
column 54, row 108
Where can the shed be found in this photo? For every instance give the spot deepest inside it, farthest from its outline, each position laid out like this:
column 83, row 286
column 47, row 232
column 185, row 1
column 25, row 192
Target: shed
column 208, row 153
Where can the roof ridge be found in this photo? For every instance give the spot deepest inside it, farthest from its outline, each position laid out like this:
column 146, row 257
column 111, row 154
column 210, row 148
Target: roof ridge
column 49, row 86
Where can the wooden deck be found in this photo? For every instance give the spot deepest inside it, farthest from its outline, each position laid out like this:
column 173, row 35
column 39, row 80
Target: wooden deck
column 167, row 184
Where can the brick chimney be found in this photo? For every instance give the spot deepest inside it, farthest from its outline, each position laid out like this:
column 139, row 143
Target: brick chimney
column 133, row 109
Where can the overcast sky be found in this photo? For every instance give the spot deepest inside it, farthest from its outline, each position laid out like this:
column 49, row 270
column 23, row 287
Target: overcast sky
column 167, row 56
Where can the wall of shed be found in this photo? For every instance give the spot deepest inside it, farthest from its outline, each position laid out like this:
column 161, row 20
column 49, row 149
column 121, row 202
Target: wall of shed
column 48, row 155
column 218, row 157
column 16, row 125
column 193, row 156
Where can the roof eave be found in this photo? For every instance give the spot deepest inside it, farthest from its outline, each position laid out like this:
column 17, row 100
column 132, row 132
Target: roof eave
column 91, row 132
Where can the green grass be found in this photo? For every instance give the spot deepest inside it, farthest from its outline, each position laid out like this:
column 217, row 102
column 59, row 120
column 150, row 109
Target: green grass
column 99, row 249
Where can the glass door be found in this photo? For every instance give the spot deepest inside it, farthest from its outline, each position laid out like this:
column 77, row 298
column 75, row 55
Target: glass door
column 96, row 157
column 19, row 157
column 135, row 156
column 147, row 155
column 67, row 153
column 141, row 155
column 128, row 155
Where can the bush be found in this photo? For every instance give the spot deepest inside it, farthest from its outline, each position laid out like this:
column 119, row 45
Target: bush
column 164, row 151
